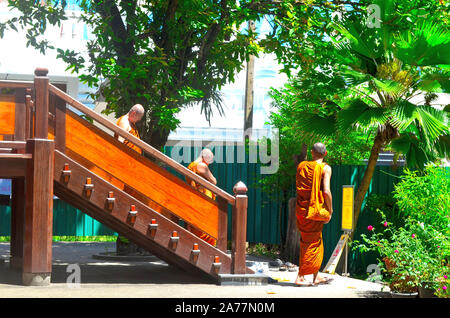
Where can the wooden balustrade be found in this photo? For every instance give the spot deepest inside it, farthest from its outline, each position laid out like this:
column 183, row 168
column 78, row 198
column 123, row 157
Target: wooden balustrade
column 141, row 144
column 32, row 120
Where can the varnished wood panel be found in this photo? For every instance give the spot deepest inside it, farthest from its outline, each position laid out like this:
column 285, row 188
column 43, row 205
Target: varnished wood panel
column 37, row 246
column 108, row 154
column 116, row 218
column 7, row 115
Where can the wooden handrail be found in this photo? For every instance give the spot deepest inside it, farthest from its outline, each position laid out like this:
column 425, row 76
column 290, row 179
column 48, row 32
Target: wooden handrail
column 16, row 156
column 16, row 84
column 13, row 144
column 141, row 144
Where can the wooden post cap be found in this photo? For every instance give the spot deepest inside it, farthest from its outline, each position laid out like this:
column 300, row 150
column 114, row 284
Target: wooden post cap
column 240, row 188
column 41, row 71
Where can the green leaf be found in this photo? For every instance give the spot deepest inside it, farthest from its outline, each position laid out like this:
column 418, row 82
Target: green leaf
column 359, row 114
column 427, row 45
column 403, row 114
column 431, row 120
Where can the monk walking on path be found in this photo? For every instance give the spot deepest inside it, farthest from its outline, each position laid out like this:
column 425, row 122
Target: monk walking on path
column 313, row 189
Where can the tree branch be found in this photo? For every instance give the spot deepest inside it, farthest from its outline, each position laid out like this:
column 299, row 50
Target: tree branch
column 110, row 13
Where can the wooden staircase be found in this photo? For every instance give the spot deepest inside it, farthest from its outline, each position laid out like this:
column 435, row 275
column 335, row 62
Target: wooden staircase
column 53, row 151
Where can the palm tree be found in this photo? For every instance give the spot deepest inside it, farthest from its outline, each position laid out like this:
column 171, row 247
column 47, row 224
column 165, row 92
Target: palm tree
column 383, row 71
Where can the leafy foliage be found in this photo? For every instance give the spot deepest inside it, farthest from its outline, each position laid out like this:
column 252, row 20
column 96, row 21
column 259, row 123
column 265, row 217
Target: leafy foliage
column 414, row 252
column 162, row 54
column 426, row 197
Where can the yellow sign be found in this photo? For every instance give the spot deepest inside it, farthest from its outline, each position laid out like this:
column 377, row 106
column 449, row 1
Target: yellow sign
column 347, row 207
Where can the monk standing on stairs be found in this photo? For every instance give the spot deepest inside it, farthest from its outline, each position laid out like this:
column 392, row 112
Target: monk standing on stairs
column 311, row 243
column 128, row 123
column 200, row 167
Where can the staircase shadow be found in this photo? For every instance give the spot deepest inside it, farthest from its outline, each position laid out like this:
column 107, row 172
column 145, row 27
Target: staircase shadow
column 110, row 273
column 94, row 271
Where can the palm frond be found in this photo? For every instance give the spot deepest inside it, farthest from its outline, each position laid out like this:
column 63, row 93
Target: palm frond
column 432, row 122
column 354, row 78
column 442, row 146
column 403, row 114
column 415, row 154
column 312, row 124
column 436, row 82
column 359, row 114
column 388, row 86
column 428, row 45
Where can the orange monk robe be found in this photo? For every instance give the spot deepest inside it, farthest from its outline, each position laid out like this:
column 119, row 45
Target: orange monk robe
column 133, row 131
column 193, row 167
column 311, row 243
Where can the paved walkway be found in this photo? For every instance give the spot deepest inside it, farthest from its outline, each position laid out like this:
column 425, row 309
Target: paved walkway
column 156, row 279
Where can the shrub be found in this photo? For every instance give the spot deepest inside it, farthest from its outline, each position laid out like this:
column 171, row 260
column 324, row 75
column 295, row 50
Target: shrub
column 425, row 197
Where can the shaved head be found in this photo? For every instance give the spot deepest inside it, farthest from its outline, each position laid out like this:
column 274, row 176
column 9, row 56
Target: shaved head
column 136, row 113
column 320, row 149
column 138, row 109
column 207, row 155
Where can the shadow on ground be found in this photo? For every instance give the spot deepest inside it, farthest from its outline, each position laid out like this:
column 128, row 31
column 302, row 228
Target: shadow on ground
column 94, row 271
column 110, row 273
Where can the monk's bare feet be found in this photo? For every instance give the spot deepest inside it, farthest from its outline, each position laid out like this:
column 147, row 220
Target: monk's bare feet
column 322, row 280
column 301, row 281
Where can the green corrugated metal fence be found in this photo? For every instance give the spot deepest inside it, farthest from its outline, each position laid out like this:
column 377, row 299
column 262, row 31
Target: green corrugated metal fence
column 263, row 213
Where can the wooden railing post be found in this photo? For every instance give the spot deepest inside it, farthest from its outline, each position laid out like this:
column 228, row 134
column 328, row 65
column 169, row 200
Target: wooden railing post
column 238, row 249
column 60, row 124
column 37, row 247
column 223, row 224
column 29, row 111
column 17, row 222
column 41, row 103
column 20, row 115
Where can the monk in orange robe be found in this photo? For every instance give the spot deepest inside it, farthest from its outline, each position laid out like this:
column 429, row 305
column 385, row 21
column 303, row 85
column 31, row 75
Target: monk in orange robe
column 200, row 167
column 128, row 123
column 313, row 189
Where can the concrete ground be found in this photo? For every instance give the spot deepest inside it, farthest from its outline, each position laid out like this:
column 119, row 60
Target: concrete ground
column 156, row 279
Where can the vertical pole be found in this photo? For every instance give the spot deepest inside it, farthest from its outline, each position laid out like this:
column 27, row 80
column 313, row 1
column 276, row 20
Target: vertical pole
column 223, row 225
column 41, row 103
column 239, row 229
column 346, row 256
column 17, row 222
column 37, row 249
column 248, row 107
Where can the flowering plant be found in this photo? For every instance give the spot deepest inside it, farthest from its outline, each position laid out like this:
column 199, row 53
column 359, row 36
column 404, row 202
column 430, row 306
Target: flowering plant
column 411, row 256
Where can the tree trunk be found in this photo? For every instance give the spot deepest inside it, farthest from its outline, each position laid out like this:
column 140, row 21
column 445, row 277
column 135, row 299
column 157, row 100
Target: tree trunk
column 291, row 251
column 367, row 178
